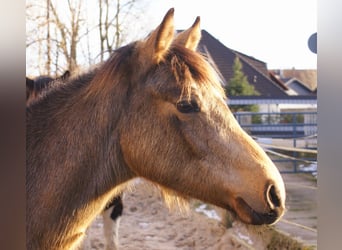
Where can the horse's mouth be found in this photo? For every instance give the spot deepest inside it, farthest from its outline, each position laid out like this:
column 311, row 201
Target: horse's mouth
column 248, row 215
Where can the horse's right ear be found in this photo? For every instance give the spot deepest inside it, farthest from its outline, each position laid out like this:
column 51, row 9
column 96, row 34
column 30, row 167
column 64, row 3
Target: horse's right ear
column 158, row 43
column 190, row 37
column 29, row 83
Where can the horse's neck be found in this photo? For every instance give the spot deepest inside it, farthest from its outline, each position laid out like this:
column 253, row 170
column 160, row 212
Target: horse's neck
column 89, row 126
column 73, row 152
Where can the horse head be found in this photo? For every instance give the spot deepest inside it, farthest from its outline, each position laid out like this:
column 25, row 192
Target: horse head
column 180, row 133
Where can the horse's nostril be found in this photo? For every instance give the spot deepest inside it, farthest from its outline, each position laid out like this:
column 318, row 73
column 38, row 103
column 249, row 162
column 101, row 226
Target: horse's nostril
column 273, row 197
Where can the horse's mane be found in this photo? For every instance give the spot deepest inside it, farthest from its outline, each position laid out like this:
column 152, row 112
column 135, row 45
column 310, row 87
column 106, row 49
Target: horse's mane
column 46, row 87
column 42, row 82
column 117, row 68
column 186, row 66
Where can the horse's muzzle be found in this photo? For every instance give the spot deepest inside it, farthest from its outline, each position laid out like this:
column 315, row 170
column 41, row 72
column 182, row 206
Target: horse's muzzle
column 273, row 203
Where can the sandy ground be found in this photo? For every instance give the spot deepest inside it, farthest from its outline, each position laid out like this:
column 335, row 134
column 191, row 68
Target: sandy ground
column 147, row 224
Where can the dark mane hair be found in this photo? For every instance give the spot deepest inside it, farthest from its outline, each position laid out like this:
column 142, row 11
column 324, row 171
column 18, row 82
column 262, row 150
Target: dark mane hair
column 37, row 88
column 117, row 68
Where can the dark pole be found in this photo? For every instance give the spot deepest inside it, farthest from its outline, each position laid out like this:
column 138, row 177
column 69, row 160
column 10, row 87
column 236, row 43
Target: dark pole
column 48, row 61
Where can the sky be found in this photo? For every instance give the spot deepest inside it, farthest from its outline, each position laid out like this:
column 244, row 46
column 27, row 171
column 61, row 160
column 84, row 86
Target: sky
column 273, row 31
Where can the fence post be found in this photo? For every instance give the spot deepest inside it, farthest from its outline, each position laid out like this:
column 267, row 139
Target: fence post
column 294, row 122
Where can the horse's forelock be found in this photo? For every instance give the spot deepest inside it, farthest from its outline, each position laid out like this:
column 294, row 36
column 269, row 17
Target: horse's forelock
column 189, row 67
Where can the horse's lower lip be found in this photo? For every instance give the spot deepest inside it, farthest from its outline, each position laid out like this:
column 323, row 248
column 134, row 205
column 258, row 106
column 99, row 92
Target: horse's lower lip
column 250, row 216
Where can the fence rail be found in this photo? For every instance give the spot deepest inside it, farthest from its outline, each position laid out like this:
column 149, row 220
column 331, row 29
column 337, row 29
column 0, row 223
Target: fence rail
column 287, row 136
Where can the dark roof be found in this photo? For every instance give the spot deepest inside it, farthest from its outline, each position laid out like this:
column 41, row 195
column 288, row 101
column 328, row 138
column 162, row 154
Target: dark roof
column 255, row 70
column 259, row 65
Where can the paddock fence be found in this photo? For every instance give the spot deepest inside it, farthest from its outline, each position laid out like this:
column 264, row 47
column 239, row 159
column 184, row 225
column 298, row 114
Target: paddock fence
column 285, row 136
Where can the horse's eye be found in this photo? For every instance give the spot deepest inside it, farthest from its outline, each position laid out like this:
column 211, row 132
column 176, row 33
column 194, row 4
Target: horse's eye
column 187, row 106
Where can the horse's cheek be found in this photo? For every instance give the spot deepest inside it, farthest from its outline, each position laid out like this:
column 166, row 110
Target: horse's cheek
column 128, row 151
column 133, row 149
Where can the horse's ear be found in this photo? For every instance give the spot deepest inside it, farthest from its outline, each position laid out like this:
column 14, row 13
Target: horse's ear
column 66, row 75
column 29, row 83
column 161, row 38
column 190, row 37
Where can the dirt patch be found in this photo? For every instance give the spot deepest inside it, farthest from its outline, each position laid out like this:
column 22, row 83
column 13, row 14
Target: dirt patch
column 147, row 224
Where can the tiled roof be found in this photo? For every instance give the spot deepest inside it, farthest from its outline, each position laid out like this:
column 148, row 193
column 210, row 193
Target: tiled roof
column 299, row 87
column 308, row 77
column 255, row 70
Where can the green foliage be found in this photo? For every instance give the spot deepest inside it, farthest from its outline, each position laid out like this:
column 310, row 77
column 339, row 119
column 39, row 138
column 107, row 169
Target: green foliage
column 238, row 85
column 289, row 118
column 248, row 108
column 256, row 119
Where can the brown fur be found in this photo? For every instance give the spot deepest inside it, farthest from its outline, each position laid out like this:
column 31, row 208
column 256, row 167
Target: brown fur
column 88, row 138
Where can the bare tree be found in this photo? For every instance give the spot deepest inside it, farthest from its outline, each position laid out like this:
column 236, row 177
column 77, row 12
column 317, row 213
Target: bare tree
column 36, row 35
column 112, row 17
column 48, row 60
column 69, row 33
column 52, row 35
column 60, row 34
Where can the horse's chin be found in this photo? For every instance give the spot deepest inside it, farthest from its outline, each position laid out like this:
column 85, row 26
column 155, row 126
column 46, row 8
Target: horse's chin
column 249, row 216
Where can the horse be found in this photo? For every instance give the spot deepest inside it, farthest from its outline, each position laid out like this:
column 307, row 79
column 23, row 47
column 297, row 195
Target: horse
column 155, row 109
column 113, row 210
column 36, row 87
column 111, row 215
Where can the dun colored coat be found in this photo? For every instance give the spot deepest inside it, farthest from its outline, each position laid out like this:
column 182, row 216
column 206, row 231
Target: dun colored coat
column 155, row 109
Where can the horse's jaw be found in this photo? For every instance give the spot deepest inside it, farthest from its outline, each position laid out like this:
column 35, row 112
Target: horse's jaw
column 249, row 216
